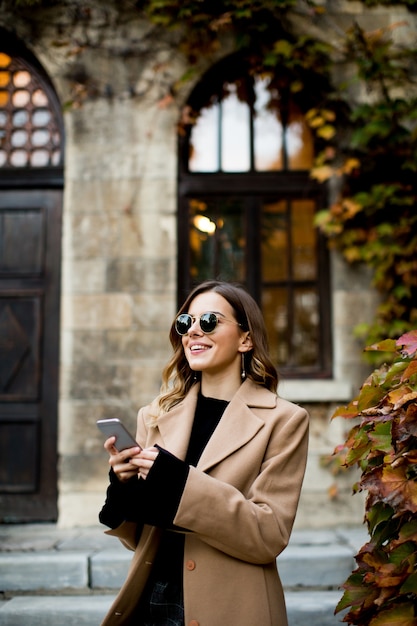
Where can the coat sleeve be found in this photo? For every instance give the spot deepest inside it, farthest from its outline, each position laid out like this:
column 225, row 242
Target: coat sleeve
column 255, row 526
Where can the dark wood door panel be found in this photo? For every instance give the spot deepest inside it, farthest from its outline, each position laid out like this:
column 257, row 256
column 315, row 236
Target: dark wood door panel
column 19, row 452
column 20, row 336
column 22, row 241
column 30, row 249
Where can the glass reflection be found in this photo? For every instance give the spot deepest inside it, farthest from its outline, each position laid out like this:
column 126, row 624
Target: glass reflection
column 216, row 239
column 235, row 134
column 204, row 141
column 268, row 131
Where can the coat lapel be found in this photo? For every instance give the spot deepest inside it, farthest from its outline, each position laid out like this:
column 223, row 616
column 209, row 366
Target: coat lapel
column 173, row 429
column 238, row 425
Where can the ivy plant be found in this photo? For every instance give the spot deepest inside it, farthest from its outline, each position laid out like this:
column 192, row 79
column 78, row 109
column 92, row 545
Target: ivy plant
column 382, row 591
column 373, row 220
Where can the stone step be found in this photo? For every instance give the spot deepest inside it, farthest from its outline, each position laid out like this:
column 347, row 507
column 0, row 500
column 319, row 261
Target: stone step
column 313, row 607
column 299, row 566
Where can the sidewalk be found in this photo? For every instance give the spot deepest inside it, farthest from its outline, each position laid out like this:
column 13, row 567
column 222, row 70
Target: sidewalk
column 51, row 576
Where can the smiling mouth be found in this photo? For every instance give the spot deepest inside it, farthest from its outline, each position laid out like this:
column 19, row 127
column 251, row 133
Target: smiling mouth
column 198, row 348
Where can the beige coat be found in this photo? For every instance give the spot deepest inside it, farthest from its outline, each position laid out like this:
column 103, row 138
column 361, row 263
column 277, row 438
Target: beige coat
column 239, row 505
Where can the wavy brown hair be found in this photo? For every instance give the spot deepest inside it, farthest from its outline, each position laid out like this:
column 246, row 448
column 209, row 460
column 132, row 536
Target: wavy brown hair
column 178, row 377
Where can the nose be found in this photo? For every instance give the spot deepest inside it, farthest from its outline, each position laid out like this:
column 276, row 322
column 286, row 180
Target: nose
column 195, row 327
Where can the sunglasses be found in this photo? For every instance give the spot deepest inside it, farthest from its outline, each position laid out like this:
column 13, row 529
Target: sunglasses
column 208, row 322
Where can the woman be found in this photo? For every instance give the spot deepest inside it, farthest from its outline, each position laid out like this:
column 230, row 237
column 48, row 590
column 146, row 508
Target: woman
column 210, row 501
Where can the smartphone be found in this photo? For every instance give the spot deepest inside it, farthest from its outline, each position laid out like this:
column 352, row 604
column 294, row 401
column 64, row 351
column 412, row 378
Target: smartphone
column 113, row 427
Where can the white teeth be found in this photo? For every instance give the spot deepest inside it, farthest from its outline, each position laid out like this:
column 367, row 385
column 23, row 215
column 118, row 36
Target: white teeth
column 198, row 347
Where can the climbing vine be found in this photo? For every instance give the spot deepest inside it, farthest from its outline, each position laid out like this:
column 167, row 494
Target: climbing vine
column 374, row 220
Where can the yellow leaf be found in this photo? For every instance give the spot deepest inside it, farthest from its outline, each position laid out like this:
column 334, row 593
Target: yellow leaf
column 316, row 122
column 328, row 115
column 350, row 207
column 297, row 86
column 322, row 173
column 351, row 164
column 327, row 131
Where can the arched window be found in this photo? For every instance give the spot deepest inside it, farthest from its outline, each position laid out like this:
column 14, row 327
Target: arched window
column 30, row 133
column 247, row 205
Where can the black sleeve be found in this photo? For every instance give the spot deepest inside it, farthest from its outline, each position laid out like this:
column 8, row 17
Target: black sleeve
column 152, row 501
column 164, row 486
column 122, row 501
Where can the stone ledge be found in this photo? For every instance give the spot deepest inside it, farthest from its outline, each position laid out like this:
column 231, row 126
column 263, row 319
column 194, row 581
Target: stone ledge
column 315, row 390
column 313, row 607
column 53, row 610
column 26, row 571
column 108, row 570
column 314, row 566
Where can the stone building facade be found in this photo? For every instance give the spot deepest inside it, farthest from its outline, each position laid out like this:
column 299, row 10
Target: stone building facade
column 118, row 289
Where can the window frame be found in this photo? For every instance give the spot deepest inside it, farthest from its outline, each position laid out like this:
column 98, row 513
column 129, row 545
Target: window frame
column 254, row 187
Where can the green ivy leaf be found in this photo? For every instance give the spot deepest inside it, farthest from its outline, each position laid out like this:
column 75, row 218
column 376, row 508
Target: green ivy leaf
column 356, row 592
column 378, row 514
column 409, row 585
column 402, row 615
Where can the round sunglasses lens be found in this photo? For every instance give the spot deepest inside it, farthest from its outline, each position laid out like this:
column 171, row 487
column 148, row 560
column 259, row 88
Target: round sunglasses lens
column 208, row 322
column 183, row 324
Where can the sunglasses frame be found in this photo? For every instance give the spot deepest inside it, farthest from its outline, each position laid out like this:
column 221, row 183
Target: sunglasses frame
column 194, row 318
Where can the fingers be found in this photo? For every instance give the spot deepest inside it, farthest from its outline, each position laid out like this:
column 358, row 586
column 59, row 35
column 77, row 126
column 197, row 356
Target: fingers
column 130, row 462
column 144, row 461
column 120, row 462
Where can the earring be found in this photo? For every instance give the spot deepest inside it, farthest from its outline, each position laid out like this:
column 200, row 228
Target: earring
column 243, row 373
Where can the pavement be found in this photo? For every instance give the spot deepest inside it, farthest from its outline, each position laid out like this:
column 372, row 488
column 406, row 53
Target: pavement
column 52, row 576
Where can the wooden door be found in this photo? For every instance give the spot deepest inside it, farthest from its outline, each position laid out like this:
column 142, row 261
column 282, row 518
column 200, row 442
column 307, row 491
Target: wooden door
column 30, row 259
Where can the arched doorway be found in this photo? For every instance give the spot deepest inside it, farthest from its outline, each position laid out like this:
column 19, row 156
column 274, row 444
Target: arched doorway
column 31, row 184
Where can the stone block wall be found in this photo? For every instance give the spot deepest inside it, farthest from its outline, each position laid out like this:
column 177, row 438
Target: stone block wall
column 120, row 253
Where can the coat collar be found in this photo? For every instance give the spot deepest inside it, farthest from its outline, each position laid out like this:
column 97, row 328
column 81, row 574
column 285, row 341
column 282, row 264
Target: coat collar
column 237, row 426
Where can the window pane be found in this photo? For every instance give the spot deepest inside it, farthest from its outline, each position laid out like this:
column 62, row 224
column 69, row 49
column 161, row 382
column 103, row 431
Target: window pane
column 204, row 141
column 235, row 133
column 217, row 239
column 299, row 142
column 267, row 130
column 304, row 240
column 274, row 242
column 275, row 312
column 305, row 350
column 291, row 319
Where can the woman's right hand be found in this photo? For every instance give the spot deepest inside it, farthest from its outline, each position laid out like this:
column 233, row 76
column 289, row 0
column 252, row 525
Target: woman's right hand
column 120, row 461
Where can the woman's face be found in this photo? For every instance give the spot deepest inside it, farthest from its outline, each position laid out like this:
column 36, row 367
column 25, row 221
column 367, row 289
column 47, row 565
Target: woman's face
column 217, row 353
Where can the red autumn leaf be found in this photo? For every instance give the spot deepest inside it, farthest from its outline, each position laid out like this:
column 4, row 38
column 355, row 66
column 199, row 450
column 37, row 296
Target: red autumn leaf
column 393, row 487
column 407, row 397
column 408, row 342
column 348, row 412
column 410, row 370
column 396, row 396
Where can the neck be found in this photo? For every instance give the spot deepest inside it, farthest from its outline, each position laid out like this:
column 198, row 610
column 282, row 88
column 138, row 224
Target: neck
column 218, row 387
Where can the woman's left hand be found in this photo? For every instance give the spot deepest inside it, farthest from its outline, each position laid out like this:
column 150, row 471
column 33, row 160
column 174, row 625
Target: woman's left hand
column 144, row 461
